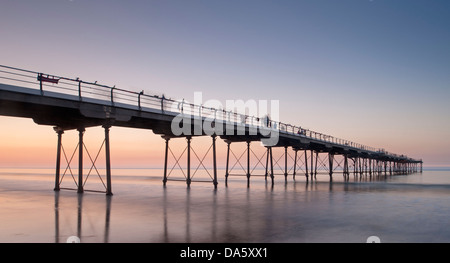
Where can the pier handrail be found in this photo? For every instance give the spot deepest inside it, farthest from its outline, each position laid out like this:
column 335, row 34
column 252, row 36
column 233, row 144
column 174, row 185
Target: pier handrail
column 83, row 89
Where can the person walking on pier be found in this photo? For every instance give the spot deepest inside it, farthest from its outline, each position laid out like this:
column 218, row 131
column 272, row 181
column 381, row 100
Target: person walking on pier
column 267, row 121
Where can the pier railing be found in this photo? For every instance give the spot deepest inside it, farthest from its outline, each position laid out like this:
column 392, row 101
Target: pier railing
column 82, row 89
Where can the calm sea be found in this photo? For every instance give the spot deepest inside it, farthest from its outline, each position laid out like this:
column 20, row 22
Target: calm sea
column 412, row 208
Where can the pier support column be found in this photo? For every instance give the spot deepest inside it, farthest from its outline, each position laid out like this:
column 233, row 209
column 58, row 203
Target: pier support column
column 108, row 160
column 315, row 168
column 285, row 163
column 345, row 171
column 365, row 166
column 228, row 161
column 60, row 132
column 188, row 179
column 165, row 159
column 214, row 137
column 306, row 165
column 272, row 176
column 360, row 167
column 331, row 162
column 267, row 163
column 295, row 164
column 80, row 159
column 248, row 163
column 385, row 168
column 312, row 163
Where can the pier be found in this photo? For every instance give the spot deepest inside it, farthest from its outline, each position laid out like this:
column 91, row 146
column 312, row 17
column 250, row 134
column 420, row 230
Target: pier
column 72, row 105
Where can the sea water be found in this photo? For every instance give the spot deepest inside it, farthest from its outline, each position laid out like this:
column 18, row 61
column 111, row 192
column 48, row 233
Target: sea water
column 402, row 208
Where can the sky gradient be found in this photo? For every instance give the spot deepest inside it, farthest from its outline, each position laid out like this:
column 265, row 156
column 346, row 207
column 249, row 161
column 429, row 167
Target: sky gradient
column 375, row 72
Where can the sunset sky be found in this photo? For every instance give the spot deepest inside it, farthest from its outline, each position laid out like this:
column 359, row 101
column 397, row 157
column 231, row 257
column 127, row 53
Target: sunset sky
column 375, row 72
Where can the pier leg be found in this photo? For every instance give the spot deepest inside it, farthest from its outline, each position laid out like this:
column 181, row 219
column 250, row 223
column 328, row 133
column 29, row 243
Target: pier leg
column 360, row 168
column 267, row 164
column 315, row 168
column 60, row 132
column 295, row 164
column 365, row 166
column 271, row 166
column 228, row 161
column 385, row 168
column 80, row 160
column 377, row 167
column 331, row 162
column 108, row 161
column 345, row 172
column 373, row 162
column 248, row 163
column 188, row 179
column 312, row 163
column 306, row 164
column 214, row 161
column 285, row 163
column 165, row 160
column 380, row 164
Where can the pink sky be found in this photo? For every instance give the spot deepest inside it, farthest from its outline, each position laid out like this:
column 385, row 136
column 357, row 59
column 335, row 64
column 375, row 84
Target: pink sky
column 374, row 72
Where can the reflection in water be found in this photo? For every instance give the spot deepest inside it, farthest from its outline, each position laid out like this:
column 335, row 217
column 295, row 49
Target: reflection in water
column 237, row 216
column 205, row 215
column 80, row 218
column 142, row 210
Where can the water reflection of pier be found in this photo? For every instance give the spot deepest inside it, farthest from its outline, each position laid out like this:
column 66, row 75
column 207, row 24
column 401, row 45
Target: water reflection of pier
column 62, row 238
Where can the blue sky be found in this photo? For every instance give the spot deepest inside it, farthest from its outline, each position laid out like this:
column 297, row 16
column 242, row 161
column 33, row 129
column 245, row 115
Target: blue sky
column 376, row 72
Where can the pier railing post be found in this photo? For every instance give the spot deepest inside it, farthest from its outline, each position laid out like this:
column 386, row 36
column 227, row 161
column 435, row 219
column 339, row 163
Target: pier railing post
column 40, row 83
